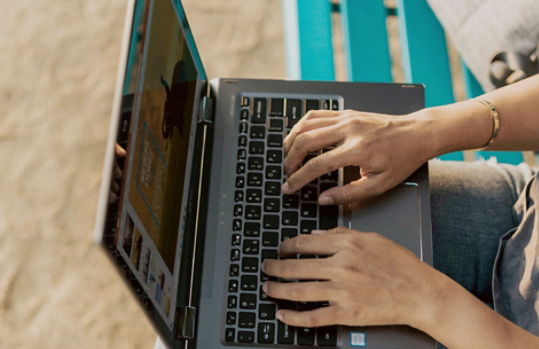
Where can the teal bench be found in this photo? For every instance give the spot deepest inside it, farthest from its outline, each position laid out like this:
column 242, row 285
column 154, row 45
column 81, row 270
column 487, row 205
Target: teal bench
column 425, row 59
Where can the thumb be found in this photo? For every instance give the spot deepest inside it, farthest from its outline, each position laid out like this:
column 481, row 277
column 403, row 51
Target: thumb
column 363, row 188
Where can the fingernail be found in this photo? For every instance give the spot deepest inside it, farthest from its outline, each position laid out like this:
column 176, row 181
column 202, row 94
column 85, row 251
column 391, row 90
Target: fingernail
column 263, row 266
column 326, row 200
column 279, row 316
column 318, row 232
column 285, row 188
column 265, row 287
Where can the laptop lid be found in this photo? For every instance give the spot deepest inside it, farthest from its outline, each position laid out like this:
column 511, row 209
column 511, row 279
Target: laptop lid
column 143, row 219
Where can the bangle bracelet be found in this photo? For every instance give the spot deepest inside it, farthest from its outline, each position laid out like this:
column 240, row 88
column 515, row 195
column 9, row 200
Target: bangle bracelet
column 495, row 120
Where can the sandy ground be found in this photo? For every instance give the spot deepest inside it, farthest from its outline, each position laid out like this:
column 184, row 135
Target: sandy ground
column 58, row 62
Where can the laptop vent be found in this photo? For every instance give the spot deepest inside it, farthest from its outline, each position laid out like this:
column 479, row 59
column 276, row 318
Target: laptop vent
column 211, row 228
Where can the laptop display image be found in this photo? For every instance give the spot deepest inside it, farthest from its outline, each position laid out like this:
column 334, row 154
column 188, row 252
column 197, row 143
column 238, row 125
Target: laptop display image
column 191, row 205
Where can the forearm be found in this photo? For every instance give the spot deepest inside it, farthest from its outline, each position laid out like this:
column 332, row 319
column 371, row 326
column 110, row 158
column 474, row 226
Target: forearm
column 460, row 321
column 469, row 124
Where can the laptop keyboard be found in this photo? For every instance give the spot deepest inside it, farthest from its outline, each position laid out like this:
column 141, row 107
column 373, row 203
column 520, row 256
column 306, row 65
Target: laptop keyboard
column 264, row 217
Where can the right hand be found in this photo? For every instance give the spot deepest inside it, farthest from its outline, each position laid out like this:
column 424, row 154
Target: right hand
column 387, row 148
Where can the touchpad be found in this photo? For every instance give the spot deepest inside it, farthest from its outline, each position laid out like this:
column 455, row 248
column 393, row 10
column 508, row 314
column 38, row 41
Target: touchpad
column 395, row 215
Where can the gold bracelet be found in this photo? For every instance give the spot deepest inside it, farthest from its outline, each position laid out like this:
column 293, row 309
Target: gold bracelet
column 495, row 120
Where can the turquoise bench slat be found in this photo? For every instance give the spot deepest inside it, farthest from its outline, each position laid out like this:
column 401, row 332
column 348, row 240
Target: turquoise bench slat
column 309, row 39
column 424, row 51
column 505, row 157
column 366, row 45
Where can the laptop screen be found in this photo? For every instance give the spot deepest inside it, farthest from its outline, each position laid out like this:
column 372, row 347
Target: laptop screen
column 148, row 194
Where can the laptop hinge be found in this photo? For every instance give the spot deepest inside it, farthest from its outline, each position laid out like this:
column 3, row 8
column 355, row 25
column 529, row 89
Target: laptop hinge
column 205, row 112
column 185, row 322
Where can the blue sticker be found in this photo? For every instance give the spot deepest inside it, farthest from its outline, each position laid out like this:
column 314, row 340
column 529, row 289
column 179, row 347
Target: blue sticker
column 358, row 339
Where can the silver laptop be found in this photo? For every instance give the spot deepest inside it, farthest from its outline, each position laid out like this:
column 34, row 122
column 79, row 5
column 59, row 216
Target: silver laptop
column 190, row 201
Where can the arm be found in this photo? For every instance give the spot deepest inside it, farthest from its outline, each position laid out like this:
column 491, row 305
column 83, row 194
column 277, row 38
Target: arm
column 370, row 280
column 389, row 148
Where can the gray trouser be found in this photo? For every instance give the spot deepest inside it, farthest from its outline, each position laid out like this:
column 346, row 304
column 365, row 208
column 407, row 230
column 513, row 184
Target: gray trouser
column 472, row 207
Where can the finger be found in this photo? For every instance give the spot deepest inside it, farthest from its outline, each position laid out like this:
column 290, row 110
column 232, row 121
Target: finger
column 366, row 187
column 309, row 244
column 314, row 168
column 112, row 198
column 315, row 114
column 311, row 141
column 314, row 291
column 306, row 125
column 296, row 269
column 115, row 188
column 119, row 150
column 117, row 173
column 325, row 316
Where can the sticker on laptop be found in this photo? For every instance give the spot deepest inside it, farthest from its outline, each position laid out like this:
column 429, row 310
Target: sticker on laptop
column 358, row 339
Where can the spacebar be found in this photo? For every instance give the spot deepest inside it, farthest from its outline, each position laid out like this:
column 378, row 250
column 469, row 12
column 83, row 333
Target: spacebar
column 329, row 217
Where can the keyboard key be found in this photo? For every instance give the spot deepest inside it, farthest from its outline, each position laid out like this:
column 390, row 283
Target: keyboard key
column 242, row 154
column 266, row 333
column 240, row 168
column 253, row 212
column 290, row 218
column 309, row 193
column 334, row 105
column 251, row 246
column 264, row 277
column 270, row 239
column 252, row 229
column 271, row 221
column 329, row 217
column 256, row 148
column 262, row 295
column 236, row 239
column 306, row 306
column 236, row 225
column 275, row 141
column 230, row 334
column 266, row 312
column 327, row 336
column 268, row 254
column 306, row 226
column 274, row 156
column 244, row 114
column 272, row 188
column 249, row 265
column 290, row 201
column 311, row 104
column 307, row 256
column 234, row 270
column 247, row 320
column 326, row 104
column 256, row 163
column 276, row 107
column 242, row 142
column 244, row 128
column 258, row 132
column 254, row 196
column 233, row 286
column 332, row 176
column 232, row 302
column 238, row 196
column 305, row 336
column 259, row 110
column 238, row 210
column 275, row 125
column 326, row 185
column 273, row 172
column 288, row 233
column 240, row 182
column 235, row 255
column 249, row 282
column 231, row 318
column 254, row 179
column 245, row 101
column 246, row 336
column 308, row 210
column 248, row 301
column 285, row 333
column 293, row 112
column 272, row 205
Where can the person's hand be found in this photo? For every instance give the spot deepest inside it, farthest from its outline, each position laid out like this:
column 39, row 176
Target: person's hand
column 117, row 174
column 387, row 148
column 367, row 279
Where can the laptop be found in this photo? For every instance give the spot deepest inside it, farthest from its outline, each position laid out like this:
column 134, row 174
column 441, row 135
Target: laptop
column 190, row 200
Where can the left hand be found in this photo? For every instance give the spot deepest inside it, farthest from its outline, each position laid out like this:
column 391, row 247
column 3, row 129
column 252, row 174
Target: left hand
column 368, row 280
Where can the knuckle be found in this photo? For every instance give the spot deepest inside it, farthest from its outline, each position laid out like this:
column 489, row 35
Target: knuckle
column 302, row 141
column 312, row 320
column 310, row 114
column 289, row 269
column 348, row 195
column 297, row 291
column 315, row 165
column 301, row 241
